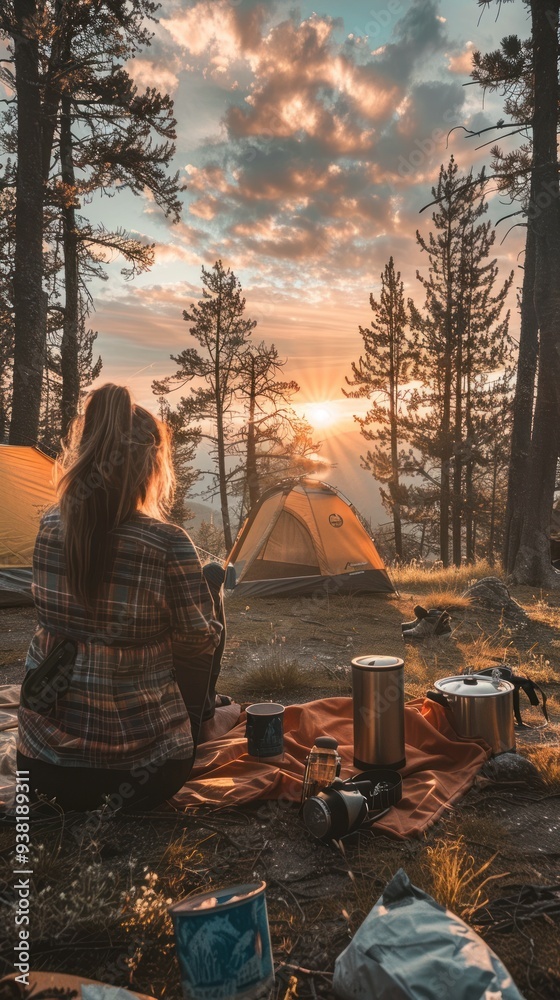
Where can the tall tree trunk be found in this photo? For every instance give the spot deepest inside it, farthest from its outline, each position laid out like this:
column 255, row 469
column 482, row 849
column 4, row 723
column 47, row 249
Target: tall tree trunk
column 533, row 563
column 445, row 498
column 458, row 460
column 29, row 325
column 470, row 462
column 446, row 459
column 447, row 443
column 393, row 402
column 422, row 537
column 522, row 408
column 3, row 418
column 469, row 512
column 222, row 473
column 220, row 434
column 397, row 520
column 70, row 330
column 492, row 528
column 51, row 94
column 251, row 472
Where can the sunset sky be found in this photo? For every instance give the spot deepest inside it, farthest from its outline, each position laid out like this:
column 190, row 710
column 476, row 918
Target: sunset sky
column 309, row 137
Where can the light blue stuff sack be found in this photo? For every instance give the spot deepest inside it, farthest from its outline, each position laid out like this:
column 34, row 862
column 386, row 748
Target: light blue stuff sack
column 411, row 948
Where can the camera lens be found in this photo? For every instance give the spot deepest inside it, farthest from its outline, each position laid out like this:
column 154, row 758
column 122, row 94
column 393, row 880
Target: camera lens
column 317, row 817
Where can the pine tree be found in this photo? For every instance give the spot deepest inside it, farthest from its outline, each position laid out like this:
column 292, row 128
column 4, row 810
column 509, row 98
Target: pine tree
column 95, row 132
column 184, row 442
column 486, row 491
column 222, row 331
column 267, row 418
column 51, row 428
column 461, row 337
column 383, row 374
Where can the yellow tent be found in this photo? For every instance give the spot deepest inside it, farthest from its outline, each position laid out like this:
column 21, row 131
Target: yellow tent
column 26, row 475
column 303, row 536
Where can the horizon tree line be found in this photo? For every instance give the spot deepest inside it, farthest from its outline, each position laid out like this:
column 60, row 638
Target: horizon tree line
column 76, row 127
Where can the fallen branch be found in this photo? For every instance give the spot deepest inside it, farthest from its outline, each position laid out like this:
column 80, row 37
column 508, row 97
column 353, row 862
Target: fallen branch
column 305, row 972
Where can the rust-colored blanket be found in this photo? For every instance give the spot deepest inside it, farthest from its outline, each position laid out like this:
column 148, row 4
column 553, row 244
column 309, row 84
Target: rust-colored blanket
column 440, row 767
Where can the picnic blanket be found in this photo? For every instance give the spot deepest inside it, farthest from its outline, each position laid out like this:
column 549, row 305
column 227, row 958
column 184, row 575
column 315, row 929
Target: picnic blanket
column 440, row 766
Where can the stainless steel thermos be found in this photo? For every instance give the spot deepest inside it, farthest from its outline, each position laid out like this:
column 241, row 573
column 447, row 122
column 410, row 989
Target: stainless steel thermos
column 378, row 696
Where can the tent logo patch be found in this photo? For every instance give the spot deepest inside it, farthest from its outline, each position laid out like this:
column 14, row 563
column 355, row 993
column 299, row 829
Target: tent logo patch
column 336, row 520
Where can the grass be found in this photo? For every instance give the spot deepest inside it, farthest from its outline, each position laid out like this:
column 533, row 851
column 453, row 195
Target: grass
column 454, row 578
column 547, row 760
column 445, row 599
column 107, row 894
column 455, row 880
column 275, row 674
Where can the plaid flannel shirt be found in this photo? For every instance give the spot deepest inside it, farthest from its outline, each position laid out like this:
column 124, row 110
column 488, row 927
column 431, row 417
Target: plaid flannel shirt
column 123, row 707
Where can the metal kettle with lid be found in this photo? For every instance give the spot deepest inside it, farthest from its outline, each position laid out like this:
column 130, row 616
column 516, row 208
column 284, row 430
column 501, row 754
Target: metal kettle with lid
column 378, row 697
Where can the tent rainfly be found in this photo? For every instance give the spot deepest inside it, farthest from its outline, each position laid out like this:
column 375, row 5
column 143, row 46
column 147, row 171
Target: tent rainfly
column 26, row 475
column 303, row 536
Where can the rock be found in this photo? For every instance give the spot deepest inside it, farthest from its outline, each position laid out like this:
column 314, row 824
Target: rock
column 510, row 767
column 492, row 593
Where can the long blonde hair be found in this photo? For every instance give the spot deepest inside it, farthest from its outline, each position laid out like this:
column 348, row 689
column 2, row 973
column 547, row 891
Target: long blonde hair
column 116, row 461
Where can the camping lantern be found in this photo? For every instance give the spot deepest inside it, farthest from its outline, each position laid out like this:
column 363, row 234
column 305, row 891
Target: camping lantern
column 223, row 943
column 378, row 697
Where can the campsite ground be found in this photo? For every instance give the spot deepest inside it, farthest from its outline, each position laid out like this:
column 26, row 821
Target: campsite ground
column 100, row 894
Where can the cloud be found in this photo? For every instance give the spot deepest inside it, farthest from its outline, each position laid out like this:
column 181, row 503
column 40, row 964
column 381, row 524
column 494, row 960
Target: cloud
column 217, row 33
column 150, row 73
column 327, row 145
column 462, row 62
column 308, row 171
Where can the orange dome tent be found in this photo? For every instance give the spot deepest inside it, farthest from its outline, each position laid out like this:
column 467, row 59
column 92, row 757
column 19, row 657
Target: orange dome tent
column 28, row 489
column 304, row 536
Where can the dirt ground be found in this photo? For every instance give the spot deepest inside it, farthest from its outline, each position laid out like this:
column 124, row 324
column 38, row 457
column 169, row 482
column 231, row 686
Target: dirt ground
column 293, row 650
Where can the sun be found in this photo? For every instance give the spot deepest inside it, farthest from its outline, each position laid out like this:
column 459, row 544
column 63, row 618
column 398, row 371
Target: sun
column 320, row 415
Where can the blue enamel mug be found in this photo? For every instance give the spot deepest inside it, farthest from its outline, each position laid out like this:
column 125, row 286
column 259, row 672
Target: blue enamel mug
column 223, row 944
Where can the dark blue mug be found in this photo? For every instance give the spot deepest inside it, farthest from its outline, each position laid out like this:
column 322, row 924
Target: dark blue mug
column 265, row 730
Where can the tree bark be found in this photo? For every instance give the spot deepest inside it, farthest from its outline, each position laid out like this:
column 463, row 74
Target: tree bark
column 533, row 562
column 492, row 528
column 220, row 434
column 458, row 460
column 393, row 403
column 29, row 326
column 522, row 408
column 51, row 94
column 251, row 472
column 470, row 462
column 69, row 350
column 447, row 444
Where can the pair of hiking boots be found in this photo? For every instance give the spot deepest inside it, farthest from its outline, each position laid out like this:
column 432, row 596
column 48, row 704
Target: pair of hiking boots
column 427, row 624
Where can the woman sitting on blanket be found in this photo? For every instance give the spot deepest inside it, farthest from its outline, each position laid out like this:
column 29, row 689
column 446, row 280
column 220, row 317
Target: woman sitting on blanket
column 111, row 573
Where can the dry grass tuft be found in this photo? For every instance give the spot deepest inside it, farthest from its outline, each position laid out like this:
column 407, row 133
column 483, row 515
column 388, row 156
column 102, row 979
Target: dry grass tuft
column 455, row 880
column 455, row 578
column 543, row 612
column 484, row 650
column 275, row 674
column 547, row 760
column 539, row 668
column 446, row 600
